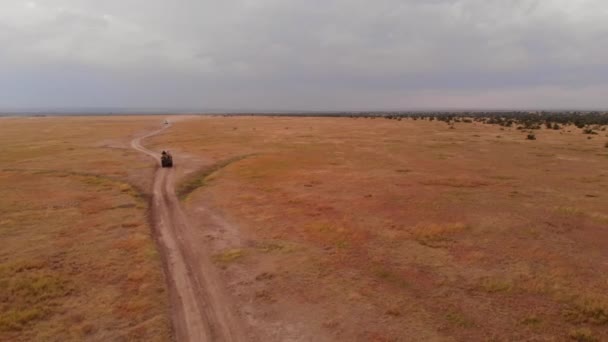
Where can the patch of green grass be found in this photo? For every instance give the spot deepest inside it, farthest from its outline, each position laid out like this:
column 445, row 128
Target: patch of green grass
column 531, row 321
column 437, row 235
column 590, row 310
column 199, row 179
column 598, row 217
column 569, row 211
column 276, row 246
column 390, row 277
column 342, row 244
column 582, row 335
column 36, row 288
column 28, row 294
column 572, row 211
column 459, row 319
column 95, row 181
column 493, row 285
column 229, row 256
column 18, row 319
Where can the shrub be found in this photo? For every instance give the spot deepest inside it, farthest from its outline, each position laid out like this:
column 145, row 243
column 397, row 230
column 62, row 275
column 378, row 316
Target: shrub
column 589, row 131
column 229, row 256
column 592, row 311
column 582, row 335
column 531, row 136
column 492, row 285
column 437, row 235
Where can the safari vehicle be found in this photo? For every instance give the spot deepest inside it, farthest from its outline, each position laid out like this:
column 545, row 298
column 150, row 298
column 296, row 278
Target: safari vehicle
column 166, row 160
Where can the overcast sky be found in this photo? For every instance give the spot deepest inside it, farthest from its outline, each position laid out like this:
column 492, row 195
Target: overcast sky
column 304, row 54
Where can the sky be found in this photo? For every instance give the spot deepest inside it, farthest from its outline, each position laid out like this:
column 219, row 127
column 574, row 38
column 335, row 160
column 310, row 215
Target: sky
column 304, row 54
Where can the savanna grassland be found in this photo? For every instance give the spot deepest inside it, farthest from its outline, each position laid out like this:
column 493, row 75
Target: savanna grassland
column 382, row 230
column 77, row 259
column 323, row 229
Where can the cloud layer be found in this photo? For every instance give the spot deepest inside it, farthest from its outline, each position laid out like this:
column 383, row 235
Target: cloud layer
column 304, row 54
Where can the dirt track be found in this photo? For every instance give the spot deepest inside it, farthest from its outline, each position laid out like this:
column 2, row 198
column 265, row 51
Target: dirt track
column 200, row 309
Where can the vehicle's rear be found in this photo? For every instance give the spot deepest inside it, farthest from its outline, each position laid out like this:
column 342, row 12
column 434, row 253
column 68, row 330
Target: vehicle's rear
column 166, row 160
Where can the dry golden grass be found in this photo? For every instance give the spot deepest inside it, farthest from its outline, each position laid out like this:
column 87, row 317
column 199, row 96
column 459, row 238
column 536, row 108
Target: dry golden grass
column 77, row 261
column 437, row 234
column 197, row 179
column 229, row 256
column 465, row 232
column 592, row 310
column 582, row 335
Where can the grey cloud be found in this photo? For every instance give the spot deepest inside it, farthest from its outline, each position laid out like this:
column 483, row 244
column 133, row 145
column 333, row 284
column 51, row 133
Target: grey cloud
column 332, row 54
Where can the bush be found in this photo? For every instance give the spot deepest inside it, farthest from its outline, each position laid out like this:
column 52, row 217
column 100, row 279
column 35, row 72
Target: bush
column 582, row 335
column 531, row 136
column 589, row 131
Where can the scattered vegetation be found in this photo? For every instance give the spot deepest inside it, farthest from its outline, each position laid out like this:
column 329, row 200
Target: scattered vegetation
column 29, row 295
column 198, row 179
column 532, row 320
column 276, row 246
column 589, row 131
column 229, row 256
column 590, row 310
column 447, row 244
column 573, row 211
column 457, row 318
column 525, row 120
column 77, row 260
column 387, row 275
column 582, row 335
column 493, row 285
column 437, row 235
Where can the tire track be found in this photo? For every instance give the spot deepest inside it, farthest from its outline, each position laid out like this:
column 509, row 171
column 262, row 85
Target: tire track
column 200, row 310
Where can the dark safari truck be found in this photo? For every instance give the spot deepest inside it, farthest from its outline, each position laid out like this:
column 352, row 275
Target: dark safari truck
column 166, row 160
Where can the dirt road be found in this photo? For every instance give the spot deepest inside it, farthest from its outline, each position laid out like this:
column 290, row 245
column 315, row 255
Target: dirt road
column 200, row 308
